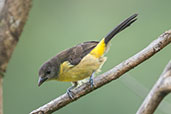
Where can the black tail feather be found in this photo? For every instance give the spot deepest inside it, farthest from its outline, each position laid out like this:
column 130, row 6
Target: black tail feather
column 121, row 27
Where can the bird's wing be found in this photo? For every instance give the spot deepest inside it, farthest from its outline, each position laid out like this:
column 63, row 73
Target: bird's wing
column 75, row 54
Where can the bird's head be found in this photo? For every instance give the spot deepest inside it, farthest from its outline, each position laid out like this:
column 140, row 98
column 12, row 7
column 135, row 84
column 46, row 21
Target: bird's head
column 48, row 71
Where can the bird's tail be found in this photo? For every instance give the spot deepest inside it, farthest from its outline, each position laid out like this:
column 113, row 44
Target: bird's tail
column 127, row 22
column 100, row 49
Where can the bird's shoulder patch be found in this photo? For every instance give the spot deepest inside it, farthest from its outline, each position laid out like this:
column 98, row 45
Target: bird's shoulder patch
column 65, row 66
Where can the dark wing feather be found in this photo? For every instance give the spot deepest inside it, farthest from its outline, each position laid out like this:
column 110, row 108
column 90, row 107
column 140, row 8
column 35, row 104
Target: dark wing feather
column 75, row 54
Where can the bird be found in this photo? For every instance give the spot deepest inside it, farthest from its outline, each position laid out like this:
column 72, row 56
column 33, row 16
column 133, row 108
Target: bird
column 81, row 61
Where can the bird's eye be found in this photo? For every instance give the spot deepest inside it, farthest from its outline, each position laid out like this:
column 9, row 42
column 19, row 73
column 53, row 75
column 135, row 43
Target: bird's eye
column 48, row 72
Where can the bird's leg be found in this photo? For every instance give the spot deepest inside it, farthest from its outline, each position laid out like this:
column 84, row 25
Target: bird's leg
column 91, row 80
column 69, row 92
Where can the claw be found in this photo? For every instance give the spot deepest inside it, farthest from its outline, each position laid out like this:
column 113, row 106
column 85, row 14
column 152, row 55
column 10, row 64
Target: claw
column 91, row 83
column 69, row 92
column 91, row 80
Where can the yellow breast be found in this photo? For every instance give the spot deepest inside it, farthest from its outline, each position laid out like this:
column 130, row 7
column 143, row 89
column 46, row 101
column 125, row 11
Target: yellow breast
column 84, row 69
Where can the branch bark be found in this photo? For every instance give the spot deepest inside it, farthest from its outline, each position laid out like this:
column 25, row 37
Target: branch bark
column 157, row 93
column 107, row 77
column 13, row 15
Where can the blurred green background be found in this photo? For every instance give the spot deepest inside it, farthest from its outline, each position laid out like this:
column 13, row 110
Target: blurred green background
column 54, row 25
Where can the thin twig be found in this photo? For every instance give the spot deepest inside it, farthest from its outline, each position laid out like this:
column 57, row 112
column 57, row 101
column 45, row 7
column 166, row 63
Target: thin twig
column 141, row 91
column 157, row 93
column 107, row 77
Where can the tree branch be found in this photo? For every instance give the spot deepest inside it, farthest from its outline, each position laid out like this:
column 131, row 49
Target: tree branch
column 107, row 77
column 157, row 93
column 13, row 15
column 12, row 19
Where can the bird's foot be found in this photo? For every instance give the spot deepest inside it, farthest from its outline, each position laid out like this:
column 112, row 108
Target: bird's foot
column 91, row 81
column 70, row 93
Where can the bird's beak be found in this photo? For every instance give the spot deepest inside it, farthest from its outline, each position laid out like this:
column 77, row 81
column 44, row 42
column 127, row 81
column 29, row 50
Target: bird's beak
column 41, row 80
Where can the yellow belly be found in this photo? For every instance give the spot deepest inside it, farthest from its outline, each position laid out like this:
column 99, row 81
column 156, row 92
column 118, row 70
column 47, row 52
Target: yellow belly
column 84, row 69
